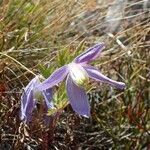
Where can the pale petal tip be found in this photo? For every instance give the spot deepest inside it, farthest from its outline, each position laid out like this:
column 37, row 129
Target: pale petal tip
column 102, row 45
column 122, row 85
column 86, row 116
column 99, row 46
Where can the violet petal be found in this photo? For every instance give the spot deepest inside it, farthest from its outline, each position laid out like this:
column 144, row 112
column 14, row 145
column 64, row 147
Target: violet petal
column 90, row 54
column 27, row 101
column 78, row 98
column 48, row 95
column 56, row 77
column 95, row 74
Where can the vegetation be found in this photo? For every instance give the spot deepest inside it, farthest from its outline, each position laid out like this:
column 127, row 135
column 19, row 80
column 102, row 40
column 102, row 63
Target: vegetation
column 39, row 36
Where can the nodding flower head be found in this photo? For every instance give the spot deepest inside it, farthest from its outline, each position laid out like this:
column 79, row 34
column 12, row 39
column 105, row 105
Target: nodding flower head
column 78, row 72
column 30, row 97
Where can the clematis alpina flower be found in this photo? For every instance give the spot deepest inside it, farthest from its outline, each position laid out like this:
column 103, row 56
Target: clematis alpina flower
column 78, row 72
column 30, row 97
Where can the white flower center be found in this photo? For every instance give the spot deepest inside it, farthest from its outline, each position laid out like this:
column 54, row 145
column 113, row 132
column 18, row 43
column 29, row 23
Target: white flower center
column 78, row 73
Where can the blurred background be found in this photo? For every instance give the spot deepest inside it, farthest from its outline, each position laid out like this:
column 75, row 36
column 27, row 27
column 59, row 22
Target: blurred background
column 38, row 36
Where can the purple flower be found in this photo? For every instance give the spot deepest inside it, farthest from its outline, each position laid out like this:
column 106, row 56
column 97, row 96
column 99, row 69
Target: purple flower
column 77, row 73
column 30, row 96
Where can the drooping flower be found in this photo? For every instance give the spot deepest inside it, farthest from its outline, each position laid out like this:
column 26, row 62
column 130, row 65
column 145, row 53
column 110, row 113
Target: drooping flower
column 30, row 97
column 78, row 72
